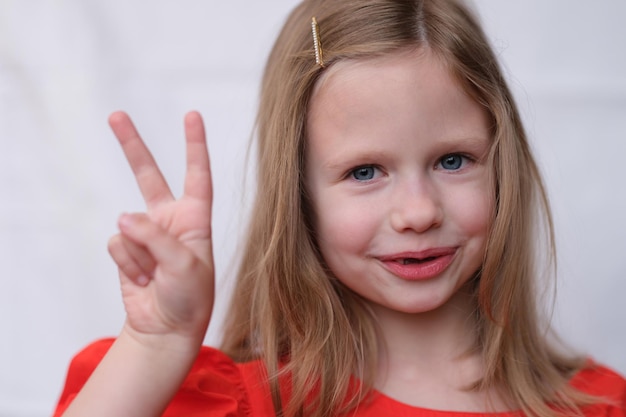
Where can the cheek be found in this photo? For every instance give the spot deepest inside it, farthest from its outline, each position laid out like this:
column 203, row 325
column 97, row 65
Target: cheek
column 343, row 227
column 474, row 214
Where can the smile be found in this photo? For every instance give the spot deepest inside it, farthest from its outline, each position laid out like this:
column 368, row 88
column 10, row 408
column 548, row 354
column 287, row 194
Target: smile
column 419, row 266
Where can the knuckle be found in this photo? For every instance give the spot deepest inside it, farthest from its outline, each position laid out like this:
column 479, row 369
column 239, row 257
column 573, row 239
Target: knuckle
column 131, row 271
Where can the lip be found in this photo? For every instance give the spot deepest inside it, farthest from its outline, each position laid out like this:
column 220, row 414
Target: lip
column 429, row 263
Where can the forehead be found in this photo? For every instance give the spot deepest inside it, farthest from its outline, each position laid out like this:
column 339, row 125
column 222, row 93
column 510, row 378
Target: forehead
column 393, row 63
column 340, row 68
column 408, row 92
column 350, row 81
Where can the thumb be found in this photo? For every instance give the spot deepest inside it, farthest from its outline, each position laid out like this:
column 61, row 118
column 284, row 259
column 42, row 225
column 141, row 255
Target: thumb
column 171, row 254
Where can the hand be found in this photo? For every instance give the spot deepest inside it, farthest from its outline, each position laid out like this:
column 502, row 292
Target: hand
column 165, row 255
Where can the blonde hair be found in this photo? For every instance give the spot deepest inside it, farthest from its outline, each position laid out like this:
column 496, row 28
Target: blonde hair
column 306, row 326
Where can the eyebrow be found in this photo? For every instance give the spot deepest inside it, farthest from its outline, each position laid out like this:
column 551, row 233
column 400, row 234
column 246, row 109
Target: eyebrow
column 355, row 158
column 473, row 142
column 477, row 143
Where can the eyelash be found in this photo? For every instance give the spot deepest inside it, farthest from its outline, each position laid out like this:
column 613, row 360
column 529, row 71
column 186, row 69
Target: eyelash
column 353, row 172
column 464, row 160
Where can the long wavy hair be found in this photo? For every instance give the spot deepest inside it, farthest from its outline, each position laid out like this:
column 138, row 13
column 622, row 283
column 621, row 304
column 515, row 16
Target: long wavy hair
column 308, row 328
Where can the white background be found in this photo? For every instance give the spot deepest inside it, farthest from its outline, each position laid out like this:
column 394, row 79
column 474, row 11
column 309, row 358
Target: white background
column 66, row 64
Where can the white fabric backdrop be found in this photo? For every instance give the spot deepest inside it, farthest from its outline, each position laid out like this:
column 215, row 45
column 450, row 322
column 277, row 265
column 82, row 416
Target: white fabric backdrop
column 66, row 64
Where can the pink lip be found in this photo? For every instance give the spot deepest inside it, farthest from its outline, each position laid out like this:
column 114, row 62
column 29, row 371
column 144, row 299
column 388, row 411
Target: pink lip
column 430, row 263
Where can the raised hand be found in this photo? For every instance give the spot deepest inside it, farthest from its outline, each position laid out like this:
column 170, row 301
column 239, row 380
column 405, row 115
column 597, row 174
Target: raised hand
column 166, row 273
column 165, row 255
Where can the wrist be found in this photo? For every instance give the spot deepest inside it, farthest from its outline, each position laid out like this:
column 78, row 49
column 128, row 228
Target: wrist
column 142, row 372
column 173, row 345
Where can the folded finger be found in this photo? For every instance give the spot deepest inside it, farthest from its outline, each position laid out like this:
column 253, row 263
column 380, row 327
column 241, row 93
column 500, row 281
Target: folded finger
column 126, row 263
column 140, row 255
column 170, row 254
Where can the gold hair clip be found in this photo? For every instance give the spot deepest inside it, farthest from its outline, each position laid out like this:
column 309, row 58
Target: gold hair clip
column 319, row 57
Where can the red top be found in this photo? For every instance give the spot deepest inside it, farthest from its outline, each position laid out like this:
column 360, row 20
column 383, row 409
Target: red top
column 217, row 386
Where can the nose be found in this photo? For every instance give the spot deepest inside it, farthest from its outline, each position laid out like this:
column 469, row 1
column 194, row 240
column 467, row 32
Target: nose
column 416, row 206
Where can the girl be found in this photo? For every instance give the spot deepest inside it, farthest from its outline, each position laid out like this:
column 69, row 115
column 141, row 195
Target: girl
column 389, row 265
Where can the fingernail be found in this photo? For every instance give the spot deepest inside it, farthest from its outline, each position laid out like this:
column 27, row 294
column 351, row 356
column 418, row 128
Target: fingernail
column 142, row 280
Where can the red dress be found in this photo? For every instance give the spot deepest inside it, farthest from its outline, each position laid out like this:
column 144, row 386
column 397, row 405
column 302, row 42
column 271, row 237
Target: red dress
column 217, row 386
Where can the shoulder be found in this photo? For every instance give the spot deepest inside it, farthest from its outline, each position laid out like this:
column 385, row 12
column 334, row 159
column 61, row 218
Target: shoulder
column 597, row 379
column 215, row 385
column 601, row 381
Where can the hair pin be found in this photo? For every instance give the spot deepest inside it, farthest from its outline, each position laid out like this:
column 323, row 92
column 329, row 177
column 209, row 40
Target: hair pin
column 319, row 57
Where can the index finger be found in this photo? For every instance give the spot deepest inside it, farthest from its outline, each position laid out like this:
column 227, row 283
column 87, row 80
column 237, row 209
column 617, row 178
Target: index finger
column 151, row 182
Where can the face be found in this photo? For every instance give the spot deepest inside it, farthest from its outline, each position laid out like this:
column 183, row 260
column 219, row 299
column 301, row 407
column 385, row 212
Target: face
column 396, row 172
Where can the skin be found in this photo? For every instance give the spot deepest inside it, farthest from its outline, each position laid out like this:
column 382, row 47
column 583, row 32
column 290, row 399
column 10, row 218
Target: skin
column 395, row 168
column 166, row 276
column 165, row 254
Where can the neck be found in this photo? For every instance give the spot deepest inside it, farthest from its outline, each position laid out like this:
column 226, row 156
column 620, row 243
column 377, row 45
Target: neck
column 445, row 334
column 433, row 353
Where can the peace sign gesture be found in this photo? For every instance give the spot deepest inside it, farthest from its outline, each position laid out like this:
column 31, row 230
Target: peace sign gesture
column 165, row 255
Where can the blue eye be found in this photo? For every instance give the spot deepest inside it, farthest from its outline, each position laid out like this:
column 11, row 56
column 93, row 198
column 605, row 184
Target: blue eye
column 364, row 173
column 452, row 162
